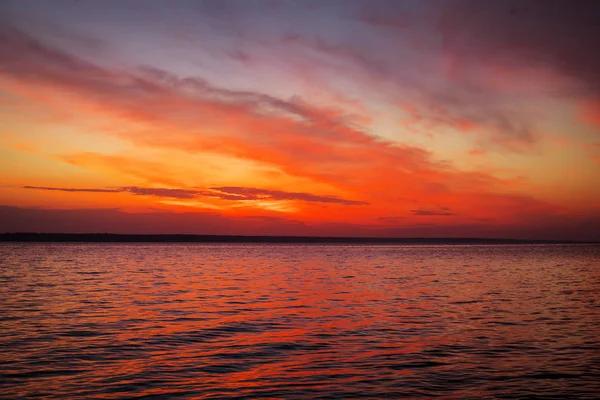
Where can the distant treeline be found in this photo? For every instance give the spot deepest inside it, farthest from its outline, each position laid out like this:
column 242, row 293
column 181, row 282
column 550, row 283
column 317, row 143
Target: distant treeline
column 129, row 238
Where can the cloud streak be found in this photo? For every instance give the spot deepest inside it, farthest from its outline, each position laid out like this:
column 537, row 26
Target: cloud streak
column 226, row 193
column 139, row 191
column 439, row 211
column 244, row 193
column 75, row 190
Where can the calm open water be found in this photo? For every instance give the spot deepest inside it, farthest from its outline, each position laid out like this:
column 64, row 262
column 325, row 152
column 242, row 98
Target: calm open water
column 221, row 321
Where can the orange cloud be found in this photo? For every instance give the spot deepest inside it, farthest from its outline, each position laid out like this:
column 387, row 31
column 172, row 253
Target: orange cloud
column 157, row 110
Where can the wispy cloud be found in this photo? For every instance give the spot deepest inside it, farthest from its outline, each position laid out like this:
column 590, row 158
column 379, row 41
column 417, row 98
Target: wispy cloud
column 441, row 211
column 161, row 192
column 140, row 191
column 60, row 189
column 246, row 193
column 225, row 193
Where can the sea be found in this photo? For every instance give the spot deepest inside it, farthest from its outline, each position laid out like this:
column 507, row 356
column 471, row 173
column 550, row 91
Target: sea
column 293, row 321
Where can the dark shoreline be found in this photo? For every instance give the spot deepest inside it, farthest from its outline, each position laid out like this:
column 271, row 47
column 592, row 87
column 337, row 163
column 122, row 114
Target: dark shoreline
column 181, row 238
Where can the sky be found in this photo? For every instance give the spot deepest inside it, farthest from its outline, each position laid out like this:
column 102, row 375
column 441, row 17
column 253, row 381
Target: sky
column 399, row 118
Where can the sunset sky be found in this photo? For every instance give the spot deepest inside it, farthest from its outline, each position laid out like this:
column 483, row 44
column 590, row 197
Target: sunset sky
column 328, row 117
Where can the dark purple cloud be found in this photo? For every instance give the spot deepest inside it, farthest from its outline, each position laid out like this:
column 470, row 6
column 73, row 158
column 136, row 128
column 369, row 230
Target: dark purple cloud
column 226, row 193
column 161, row 192
column 73, row 189
column 425, row 211
column 247, row 193
column 140, row 191
column 561, row 34
column 470, row 40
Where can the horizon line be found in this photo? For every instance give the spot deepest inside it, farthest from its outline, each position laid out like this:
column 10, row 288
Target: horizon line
column 233, row 238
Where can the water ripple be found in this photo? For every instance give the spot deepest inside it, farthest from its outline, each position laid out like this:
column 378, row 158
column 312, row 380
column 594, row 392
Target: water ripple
column 197, row 321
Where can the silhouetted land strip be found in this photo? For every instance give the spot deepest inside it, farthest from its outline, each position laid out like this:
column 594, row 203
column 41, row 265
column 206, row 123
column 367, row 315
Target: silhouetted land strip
column 126, row 238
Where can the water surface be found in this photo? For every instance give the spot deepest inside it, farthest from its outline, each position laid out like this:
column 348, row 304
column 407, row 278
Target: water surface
column 116, row 321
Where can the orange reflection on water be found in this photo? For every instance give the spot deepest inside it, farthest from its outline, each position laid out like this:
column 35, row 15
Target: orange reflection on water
column 290, row 321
